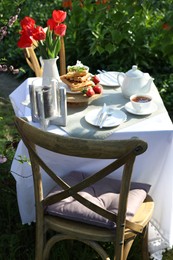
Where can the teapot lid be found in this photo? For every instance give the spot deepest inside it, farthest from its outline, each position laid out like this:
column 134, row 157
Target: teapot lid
column 134, row 72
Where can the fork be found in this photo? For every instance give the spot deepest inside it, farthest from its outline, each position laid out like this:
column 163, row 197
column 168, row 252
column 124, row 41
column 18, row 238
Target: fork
column 101, row 71
column 101, row 114
column 109, row 112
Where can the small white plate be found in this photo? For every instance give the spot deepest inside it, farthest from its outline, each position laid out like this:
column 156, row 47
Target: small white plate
column 117, row 117
column 130, row 109
column 68, row 89
column 109, row 79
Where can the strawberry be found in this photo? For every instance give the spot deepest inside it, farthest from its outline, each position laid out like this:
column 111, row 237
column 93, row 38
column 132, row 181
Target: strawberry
column 97, row 89
column 90, row 92
column 95, row 79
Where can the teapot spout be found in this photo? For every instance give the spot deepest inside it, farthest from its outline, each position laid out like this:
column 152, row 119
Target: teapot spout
column 147, row 86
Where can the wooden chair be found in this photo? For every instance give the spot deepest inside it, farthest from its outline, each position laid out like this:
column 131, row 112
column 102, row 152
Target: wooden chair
column 34, row 64
column 118, row 229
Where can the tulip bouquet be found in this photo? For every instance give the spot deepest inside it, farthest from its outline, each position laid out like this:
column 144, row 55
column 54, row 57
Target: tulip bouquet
column 48, row 39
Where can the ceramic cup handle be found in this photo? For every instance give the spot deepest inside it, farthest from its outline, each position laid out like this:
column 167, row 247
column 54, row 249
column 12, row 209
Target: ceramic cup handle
column 120, row 78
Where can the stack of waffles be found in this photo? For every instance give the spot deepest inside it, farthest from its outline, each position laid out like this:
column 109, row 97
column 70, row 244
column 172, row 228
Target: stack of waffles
column 77, row 78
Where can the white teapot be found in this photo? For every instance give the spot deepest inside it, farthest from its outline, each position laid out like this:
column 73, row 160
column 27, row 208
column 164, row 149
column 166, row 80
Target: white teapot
column 134, row 81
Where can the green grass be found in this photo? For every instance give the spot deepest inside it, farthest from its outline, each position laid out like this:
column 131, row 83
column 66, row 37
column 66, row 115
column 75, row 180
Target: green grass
column 17, row 240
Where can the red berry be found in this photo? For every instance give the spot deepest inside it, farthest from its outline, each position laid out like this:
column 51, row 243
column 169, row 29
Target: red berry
column 95, row 79
column 97, row 89
column 90, row 92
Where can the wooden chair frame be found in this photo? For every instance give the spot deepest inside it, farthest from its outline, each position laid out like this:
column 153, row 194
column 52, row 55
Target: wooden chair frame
column 122, row 152
column 34, row 63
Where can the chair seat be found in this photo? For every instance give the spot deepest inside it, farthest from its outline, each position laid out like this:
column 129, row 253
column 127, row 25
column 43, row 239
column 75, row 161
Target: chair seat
column 104, row 193
column 90, row 232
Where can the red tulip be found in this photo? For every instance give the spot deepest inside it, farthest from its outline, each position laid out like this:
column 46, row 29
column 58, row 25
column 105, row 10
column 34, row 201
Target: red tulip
column 59, row 16
column 60, row 29
column 27, row 21
column 24, row 41
column 166, row 26
column 51, row 23
column 28, row 25
column 39, row 34
column 67, row 4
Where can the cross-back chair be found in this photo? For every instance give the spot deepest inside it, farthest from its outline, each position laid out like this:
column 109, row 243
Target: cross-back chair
column 34, row 64
column 116, row 211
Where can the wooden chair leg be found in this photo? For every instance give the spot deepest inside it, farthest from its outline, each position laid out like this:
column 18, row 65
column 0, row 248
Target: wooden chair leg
column 145, row 253
column 39, row 243
column 127, row 247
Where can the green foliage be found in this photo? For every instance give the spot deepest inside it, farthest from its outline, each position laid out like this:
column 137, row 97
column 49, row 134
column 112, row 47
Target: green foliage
column 116, row 35
column 165, row 83
column 7, row 133
column 111, row 36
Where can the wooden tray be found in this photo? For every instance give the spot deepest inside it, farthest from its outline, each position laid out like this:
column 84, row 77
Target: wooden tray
column 80, row 99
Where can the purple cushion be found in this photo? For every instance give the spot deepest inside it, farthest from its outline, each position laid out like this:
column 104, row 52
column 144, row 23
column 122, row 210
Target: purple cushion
column 104, row 193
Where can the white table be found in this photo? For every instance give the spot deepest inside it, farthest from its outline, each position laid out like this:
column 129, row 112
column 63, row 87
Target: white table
column 155, row 166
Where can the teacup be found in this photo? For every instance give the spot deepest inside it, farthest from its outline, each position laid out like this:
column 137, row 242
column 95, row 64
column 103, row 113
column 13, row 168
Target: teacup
column 141, row 102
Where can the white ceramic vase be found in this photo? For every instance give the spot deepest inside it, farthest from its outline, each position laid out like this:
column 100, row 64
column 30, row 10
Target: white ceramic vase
column 50, row 71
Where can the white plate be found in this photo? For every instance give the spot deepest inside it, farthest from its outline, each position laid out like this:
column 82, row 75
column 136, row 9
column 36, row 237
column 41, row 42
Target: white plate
column 130, row 109
column 68, row 89
column 116, row 118
column 109, row 79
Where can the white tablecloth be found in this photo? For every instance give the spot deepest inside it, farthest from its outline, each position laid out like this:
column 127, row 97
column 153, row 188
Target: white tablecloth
column 155, row 166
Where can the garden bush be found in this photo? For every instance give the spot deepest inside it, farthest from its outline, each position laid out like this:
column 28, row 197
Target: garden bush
column 114, row 35
column 110, row 35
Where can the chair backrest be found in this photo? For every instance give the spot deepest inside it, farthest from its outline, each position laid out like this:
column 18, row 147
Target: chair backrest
column 34, row 63
column 121, row 153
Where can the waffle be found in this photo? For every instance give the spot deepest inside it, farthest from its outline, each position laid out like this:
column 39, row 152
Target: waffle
column 76, row 86
column 77, row 77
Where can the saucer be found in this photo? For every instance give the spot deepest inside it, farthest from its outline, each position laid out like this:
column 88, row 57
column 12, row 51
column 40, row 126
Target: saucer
column 117, row 117
column 130, row 109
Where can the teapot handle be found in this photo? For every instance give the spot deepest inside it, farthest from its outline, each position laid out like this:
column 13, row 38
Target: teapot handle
column 120, row 78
